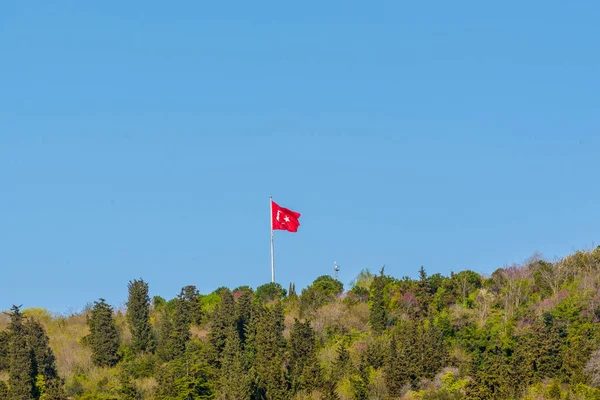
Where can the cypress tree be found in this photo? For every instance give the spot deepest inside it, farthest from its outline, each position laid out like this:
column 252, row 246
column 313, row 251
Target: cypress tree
column 103, row 338
column 164, row 335
column 234, row 383
column 21, row 372
column 378, row 315
column 43, row 357
column 138, row 316
column 191, row 301
column 223, row 320
column 304, row 368
column 180, row 333
column 269, row 355
column 243, row 313
column 49, row 385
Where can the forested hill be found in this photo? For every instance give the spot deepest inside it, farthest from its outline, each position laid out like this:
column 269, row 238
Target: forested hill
column 528, row 331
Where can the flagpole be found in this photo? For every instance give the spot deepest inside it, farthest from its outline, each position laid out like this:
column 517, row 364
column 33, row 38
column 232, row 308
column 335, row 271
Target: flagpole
column 271, row 226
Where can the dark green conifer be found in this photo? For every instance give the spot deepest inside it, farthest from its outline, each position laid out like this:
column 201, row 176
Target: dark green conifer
column 103, row 338
column 269, row 347
column 180, row 331
column 304, row 370
column 223, row 320
column 48, row 384
column 234, row 383
column 164, row 335
column 127, row 389
column 186, row 377
column 342, row 363
column 395, row 377
column 43, row 357
column 243, row 313
column 378, row 314
column 21, row 369
column 138, row 317
column 191, row 300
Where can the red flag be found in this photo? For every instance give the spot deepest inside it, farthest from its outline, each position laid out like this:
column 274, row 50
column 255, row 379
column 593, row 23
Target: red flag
column 284, row 219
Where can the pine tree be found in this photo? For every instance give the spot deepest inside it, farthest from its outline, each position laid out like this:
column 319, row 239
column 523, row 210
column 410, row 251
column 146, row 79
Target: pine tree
column 21, row 372
column 304, row 368
column 138, row 316
column 103, row 338
column 223, row 320
column 234, row 383
column 243, row 313
column 378, row 315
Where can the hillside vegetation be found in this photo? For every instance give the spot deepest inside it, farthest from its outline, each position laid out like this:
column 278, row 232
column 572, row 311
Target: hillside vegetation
column 527, row 331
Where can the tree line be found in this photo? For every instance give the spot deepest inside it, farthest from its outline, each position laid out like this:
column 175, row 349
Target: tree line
column 526, row 332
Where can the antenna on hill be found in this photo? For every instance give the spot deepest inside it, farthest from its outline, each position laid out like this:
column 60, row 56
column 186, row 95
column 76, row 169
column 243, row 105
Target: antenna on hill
column 336, row 269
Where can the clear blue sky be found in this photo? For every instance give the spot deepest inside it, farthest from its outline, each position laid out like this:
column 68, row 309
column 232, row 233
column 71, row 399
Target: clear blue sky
column 142, row 139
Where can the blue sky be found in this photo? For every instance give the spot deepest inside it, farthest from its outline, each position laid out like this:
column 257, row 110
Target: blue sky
column 142, row 139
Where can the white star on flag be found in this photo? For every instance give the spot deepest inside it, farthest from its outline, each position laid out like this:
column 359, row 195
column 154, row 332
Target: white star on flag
column 287, row 219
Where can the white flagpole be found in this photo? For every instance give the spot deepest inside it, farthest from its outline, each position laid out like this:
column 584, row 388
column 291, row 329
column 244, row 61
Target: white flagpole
column 271, row 226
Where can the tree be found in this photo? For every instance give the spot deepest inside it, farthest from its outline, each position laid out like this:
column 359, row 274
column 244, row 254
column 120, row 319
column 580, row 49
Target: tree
column 103, row 338
column 304, row 368
column 21, row 370
column 49, row 386
column 180, row 330
column 269, row 347
column 191, row 300
column 323, row 290
column 243, row 313
column 223, row 320
column 138, row 317
column 185, row 377
column 43, row 357
column 234, row 383
column 342, row 363
column 394, row 374
column 378, row 315
column 269, row 292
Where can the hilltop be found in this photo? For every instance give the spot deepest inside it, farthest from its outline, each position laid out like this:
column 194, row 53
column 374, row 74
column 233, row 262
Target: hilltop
column 527, row 331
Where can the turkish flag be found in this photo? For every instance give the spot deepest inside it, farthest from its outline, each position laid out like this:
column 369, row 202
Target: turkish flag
column 284, row 219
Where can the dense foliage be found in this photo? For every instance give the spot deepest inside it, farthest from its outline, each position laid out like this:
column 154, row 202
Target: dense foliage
column 528, row 331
